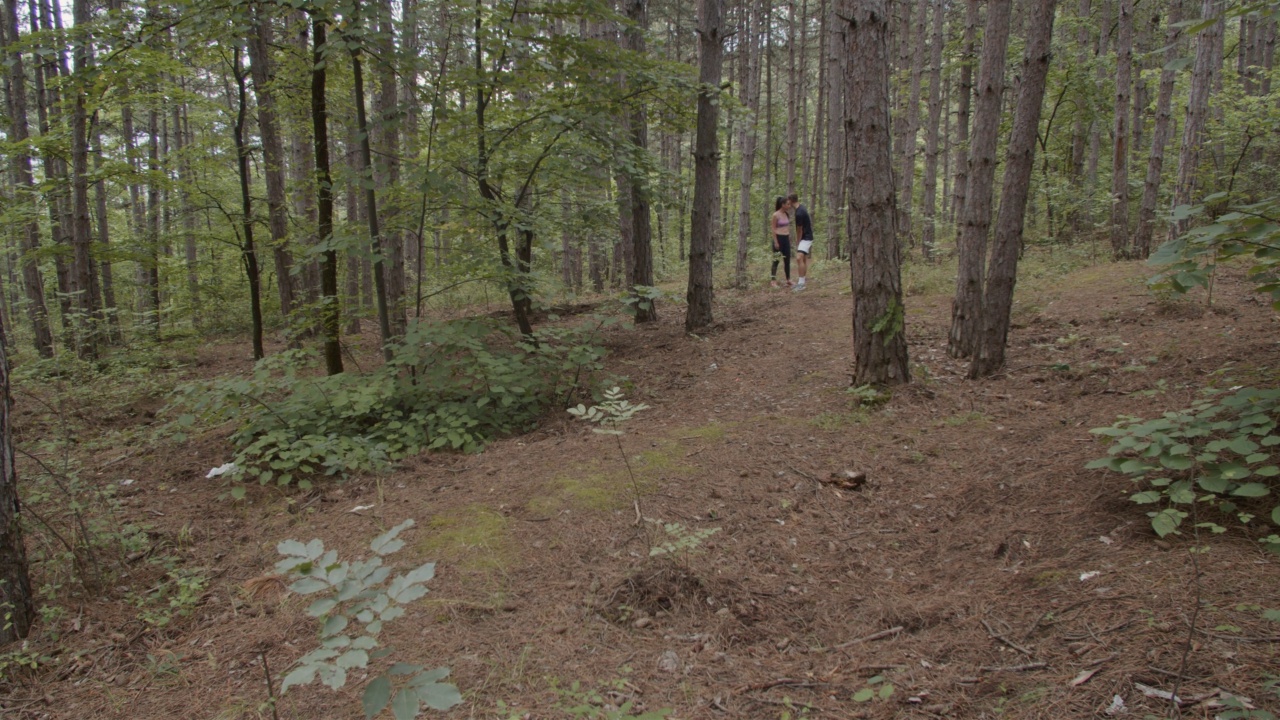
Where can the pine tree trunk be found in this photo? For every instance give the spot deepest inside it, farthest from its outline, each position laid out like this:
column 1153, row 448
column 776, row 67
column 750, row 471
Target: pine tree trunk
column 879, row 330
column 793, row 100
column 260, row 42
column 150, row 270
column 330, row 311
column 749, row 132
column 641, row 213
column 388, row 133
column 88, row 301
column 989, row 355
column 15, row 582
column 706, row 166
column 930, row 209
column 248, row 251
column 968, row 58
column 966, row 308
column 20, row 159
column 1120, row 133
column 1207, row 59
column 1160, row 135
column 911, row 146
column 104, row 235
column 836, row 140
column 303, row 171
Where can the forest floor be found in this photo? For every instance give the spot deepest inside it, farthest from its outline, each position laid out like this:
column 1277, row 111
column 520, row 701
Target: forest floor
column 980, row 569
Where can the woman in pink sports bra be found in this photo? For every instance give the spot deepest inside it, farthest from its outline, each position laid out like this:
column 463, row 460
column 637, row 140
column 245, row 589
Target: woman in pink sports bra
column 780, row 224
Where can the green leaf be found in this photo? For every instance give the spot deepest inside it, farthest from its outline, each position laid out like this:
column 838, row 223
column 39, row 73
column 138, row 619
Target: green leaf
column 376, row 696
column 1243, row 446
column 886, row 690
column 1214, row 484
column 334, row 624
column 353, row 659
column 386, row 543
column 405, row 706
column 308, row 585
column 1167, row 521
column 864, row 695
column 439, row 696
column 1251, row 490
column 321, row 607
column 1146, row 497
column 302, row 675
column 1275, row 515
column 237, row 492
column 292, row 548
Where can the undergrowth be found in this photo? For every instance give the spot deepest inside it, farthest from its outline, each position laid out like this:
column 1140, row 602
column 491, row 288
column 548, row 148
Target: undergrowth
column 453, row 385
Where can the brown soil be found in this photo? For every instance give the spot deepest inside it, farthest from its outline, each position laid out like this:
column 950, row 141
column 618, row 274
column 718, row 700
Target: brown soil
column 954, row 571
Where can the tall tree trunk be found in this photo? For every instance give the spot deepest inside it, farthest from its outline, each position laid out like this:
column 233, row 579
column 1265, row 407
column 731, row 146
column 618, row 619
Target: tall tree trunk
column 1120, row 134
column 966, row 308
column 85, row 287
column 52, row 66
column 371, row 205
column 20, row 159
column 303, row 171
column 793, row 100
column 331, row 308
column 1001, row 276
column 912, row 120
column 1161, row 135
column 1206, row 61
column 968, row 58
column 836, row 140
column 388, row 133
column 646, row 310
column 931, row 150
column 260, row 41
column 879, row 330
column 188, row 217
column 706, row 165
column 15, row 582
column 150, row 268
column 248, row 252
column 748, row 141
column 104, row 234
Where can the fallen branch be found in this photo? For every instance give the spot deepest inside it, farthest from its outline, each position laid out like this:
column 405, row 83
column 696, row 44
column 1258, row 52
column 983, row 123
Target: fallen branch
column 873, row 636
column 1013, row 668
column 788, row 682
column 991, row 631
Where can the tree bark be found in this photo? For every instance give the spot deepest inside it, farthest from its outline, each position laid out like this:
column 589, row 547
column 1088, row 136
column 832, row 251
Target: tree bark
column 388, row 177
column 1002, row 275
column 1160, row 135
column 928, row 232
column 83, row 284
column 260, row 42
column 1206, row 61
column 331, row 307
column 641, row 214
column 748, row 142
column 371, row 205
column 968, row 57
column 1120, row 133
column 20, row 159
column 879, row 330
column 911, row 146
column 966, row 308
column 836, row 140
column 15, row 582
column 248, row 251
column 706, row 166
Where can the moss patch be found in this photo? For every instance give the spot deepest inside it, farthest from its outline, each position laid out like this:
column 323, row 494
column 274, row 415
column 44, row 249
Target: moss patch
column 714, row 431
column 590, row 487
column 474, row 537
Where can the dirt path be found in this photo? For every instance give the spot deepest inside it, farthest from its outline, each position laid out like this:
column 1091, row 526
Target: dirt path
column 954, row 572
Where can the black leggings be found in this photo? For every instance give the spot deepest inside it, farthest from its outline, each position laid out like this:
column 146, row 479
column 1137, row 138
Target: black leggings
column 784, row 247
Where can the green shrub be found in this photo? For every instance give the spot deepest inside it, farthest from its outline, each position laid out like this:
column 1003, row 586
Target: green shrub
column 1218, row 453
column 453, row 385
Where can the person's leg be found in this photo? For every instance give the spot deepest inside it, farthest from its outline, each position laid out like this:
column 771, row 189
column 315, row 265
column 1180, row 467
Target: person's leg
column 786, row 261
column 802, row 265
column 773, row 272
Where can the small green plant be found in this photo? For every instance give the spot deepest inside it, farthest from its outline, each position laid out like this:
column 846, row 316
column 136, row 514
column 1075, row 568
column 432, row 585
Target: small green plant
column 684, row 541
column 1217, row 452
column 609, row 702
column 1239, row 709
column 176, row 595
column 355, row 594
column 608, row 417
column 876, row 688
column 448, row 386
column 868, row 396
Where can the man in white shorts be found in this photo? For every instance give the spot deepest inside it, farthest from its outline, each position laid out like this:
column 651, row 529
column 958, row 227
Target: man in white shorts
column 804, row 240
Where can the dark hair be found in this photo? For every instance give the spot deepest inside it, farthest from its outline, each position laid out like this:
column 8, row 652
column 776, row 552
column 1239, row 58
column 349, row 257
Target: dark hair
column 794, row 198
column 777, row 204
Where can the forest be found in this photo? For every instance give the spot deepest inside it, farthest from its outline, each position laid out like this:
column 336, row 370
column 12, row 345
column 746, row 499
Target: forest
column 466, row 319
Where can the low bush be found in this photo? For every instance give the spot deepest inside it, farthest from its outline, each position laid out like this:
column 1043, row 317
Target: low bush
column 1219, row 454
column 453, row 385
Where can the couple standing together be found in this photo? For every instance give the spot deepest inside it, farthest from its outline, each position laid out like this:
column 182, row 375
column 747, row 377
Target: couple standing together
column 788, row 214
